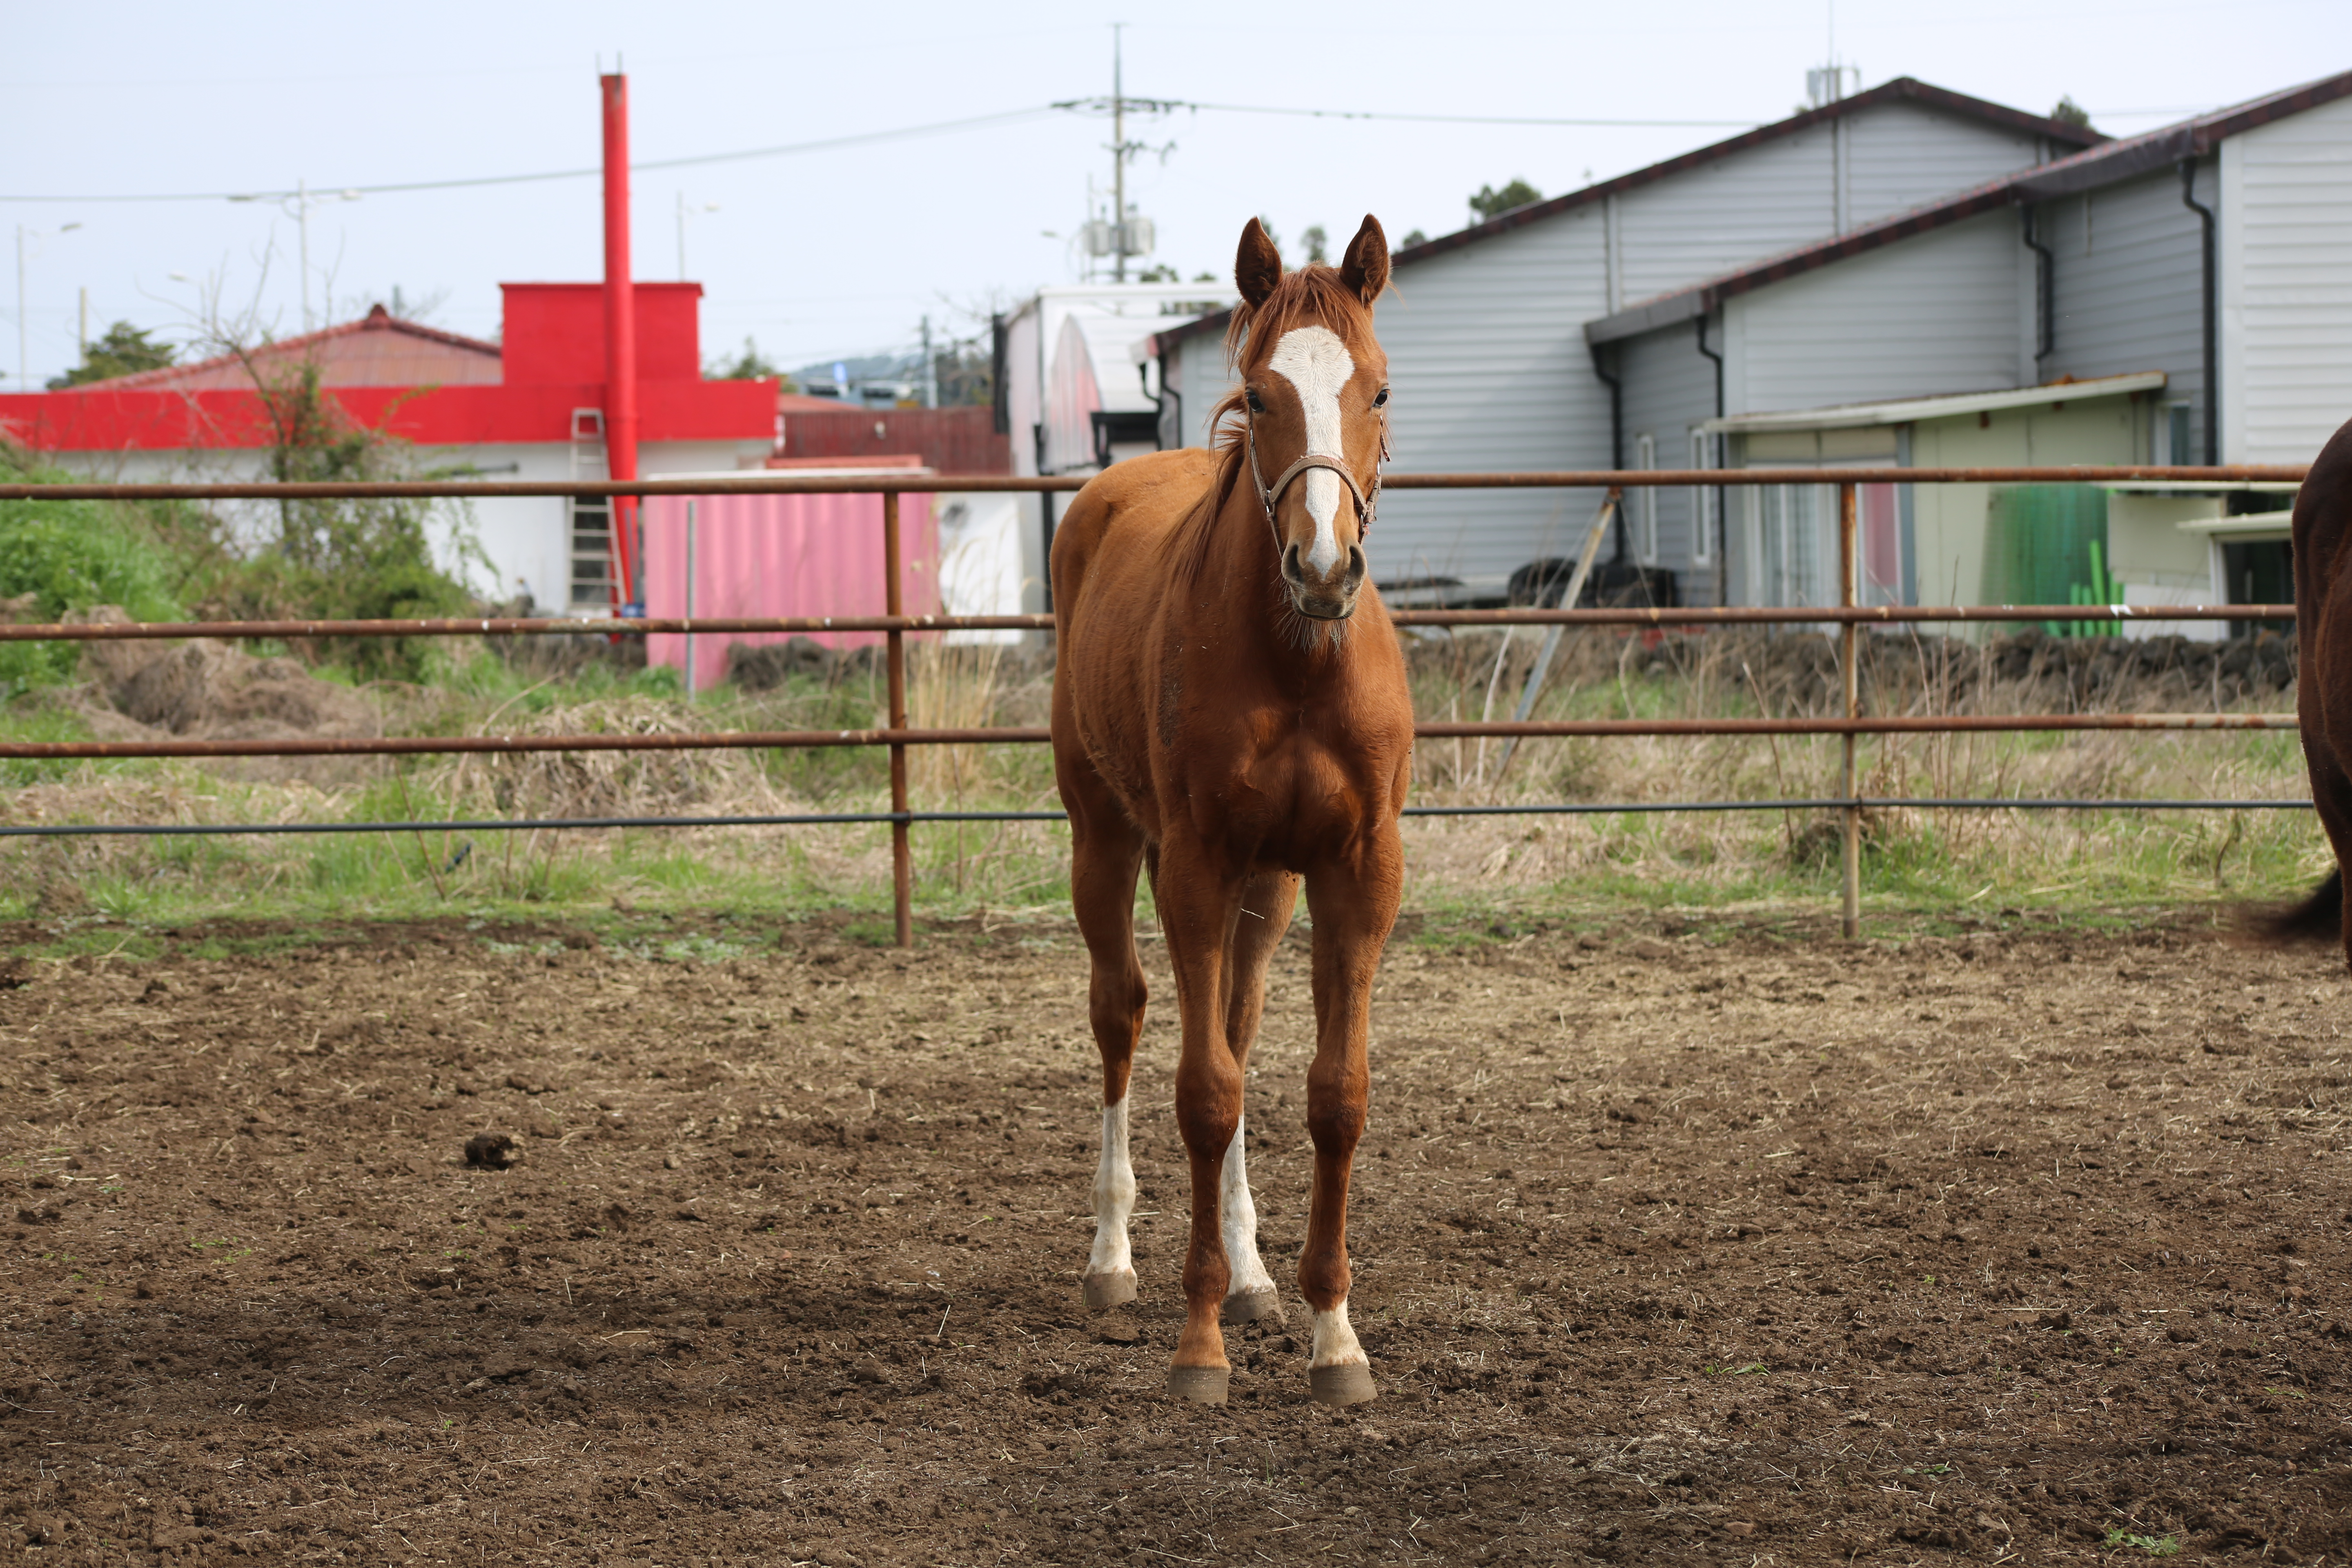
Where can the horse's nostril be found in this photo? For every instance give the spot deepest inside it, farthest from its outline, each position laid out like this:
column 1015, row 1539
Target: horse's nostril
column 1290, row 565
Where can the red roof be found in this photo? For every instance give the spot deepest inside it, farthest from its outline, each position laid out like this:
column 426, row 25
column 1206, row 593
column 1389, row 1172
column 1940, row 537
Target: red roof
column 423, row 386
column 381, row 349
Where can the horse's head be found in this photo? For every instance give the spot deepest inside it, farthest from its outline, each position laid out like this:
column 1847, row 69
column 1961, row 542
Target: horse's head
column 1314, row 399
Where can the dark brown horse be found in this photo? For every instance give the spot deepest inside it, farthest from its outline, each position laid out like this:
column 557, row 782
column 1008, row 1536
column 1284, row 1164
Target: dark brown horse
column 1230, row 711
column 2323, row 619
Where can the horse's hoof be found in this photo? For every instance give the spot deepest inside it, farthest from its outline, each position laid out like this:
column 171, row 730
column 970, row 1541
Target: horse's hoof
column 1205, row 1384
column 1105, row 1291
column 1252, row 1307
column 1349, row 1384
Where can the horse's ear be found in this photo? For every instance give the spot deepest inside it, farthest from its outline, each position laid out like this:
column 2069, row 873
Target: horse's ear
column 1365, row 267
column 1257, row 265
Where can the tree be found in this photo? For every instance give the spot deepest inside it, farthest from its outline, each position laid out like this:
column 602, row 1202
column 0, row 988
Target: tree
column 1318, row 244
column 2070, row 112
column 1490, row 203
column 125, row 350
column 749, row 365
column 1414, row 238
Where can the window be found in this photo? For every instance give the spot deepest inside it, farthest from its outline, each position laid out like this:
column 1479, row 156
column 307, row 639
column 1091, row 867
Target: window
column 591, row 553
column 2176, row 440
column 1645, row 501
column 1702, row 504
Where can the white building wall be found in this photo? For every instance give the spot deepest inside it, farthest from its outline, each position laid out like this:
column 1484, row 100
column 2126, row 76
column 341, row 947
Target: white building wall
column 1932, row 314
column 2130, row 286
column 1767, row 199
column 2286, row 286
column 1489, row 371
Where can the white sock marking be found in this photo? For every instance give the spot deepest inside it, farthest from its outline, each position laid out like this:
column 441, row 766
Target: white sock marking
column 1335, row 1342
column 1315, row 361
column 1237, row 1218
column 1113, row 1197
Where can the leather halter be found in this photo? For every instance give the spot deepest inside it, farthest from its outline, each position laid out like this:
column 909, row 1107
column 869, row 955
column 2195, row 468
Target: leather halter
column 1270, row 496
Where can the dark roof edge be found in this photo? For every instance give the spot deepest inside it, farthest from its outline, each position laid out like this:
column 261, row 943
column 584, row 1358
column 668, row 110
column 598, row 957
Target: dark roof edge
column 2105, row 164
column 1903, row 88
column 1702, row 298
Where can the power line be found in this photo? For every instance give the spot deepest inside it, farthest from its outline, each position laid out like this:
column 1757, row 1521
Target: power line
column 1102, row 105
column 870, row 138
column 786, row 149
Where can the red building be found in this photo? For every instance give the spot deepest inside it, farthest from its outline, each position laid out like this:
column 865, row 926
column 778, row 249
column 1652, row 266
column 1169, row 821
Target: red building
column 528, row 407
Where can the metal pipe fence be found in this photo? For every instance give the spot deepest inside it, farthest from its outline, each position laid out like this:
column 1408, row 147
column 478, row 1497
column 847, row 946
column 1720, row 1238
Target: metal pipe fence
column 1848, row 617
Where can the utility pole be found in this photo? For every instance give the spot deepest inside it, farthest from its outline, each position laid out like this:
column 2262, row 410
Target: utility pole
column 82, row 336
column 930, row 369
column 302, row 207
column 1117, row 155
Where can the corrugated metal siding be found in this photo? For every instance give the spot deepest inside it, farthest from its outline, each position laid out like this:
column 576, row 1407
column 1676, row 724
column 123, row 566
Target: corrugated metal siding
column 2286, row 285
column 1488, row 360
column 1669, row 387
column 1753, row 204
column 1768, row 199
column 1934, row 313
column 1900, row 156
column 951, row 441
column 2130, row 281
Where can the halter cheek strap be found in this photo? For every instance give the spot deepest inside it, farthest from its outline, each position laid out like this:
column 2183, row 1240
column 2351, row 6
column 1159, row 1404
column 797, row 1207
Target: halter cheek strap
column 1269, row 496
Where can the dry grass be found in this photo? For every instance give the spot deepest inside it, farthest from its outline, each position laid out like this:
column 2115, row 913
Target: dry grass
column 1516, row 862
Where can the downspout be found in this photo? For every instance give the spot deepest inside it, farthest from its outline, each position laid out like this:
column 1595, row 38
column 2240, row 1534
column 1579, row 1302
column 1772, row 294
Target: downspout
column 620, row 341
column 1616, row 436
column 2045, row 289
column 1722, row 527
column 2212, row 339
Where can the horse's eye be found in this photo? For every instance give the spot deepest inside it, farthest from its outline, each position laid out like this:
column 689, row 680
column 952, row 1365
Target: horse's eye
column 1381, row 399
column 1255, row 406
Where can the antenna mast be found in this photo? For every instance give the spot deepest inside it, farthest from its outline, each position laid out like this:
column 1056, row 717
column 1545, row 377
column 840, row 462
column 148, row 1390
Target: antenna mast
column 1118, row 153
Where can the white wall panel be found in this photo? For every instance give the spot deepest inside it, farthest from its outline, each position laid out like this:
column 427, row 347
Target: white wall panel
column 2286, row 285
column 1935, row 313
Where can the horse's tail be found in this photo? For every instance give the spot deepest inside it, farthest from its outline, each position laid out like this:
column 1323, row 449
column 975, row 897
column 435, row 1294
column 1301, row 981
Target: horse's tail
column 2319, row 919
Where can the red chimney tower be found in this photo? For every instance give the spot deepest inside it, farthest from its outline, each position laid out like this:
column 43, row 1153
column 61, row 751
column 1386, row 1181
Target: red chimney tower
column 620, row 336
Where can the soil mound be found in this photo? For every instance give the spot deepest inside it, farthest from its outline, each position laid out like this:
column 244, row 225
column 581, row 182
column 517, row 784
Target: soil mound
column 208, row 690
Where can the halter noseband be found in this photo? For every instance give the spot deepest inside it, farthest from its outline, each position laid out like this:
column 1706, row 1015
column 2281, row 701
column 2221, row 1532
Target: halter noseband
column 1269, row 496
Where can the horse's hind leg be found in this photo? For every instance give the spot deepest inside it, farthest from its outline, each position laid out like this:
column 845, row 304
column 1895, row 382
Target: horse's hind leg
column 1268, row 903
column 1105, row 852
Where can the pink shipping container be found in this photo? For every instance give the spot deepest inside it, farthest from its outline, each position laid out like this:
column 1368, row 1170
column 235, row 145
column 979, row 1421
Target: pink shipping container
column 782, row 556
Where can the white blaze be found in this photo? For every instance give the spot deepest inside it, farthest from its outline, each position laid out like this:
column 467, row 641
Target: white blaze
column 1335, row 1342
column 1114, row 1196
column 1237, row 1218
column 1316, row 361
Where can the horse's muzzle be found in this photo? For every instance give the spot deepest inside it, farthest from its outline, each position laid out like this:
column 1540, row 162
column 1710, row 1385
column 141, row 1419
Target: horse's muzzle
column 1324, row 597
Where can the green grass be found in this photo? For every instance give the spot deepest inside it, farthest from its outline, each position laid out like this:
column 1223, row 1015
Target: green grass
column 1468, row 879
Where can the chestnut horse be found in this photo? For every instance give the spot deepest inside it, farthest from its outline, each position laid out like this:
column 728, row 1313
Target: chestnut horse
column 1229, row 711
column 2323, row 619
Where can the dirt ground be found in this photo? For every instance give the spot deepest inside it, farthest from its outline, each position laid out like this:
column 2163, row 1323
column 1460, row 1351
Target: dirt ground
column 1726, row 1244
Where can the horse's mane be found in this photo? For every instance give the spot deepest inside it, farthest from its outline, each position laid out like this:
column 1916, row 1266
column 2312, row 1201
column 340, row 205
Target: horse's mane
column 1313, row 292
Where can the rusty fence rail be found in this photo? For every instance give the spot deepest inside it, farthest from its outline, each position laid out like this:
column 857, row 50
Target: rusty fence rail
column 1848, row 617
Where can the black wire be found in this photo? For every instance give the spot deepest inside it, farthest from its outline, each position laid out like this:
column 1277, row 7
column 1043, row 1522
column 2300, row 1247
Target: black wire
column 844, row 819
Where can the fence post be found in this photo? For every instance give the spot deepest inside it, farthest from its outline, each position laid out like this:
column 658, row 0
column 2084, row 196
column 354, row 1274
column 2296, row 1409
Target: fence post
column 902, row 871
column 1848, row 574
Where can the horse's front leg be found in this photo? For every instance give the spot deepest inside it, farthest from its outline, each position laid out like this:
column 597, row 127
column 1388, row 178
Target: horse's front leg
column 1354, row 906
column 1200, row 899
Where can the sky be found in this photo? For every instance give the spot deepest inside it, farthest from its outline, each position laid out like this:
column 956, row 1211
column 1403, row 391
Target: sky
column 842, row 250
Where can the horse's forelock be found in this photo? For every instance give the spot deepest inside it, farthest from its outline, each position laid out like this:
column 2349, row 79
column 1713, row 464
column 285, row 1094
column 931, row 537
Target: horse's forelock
column 1312, row 293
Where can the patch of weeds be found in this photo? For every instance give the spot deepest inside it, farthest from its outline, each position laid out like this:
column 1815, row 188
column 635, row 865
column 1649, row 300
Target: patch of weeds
column 2290, row 1392
column 871, row 934
column 2154, row 1545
